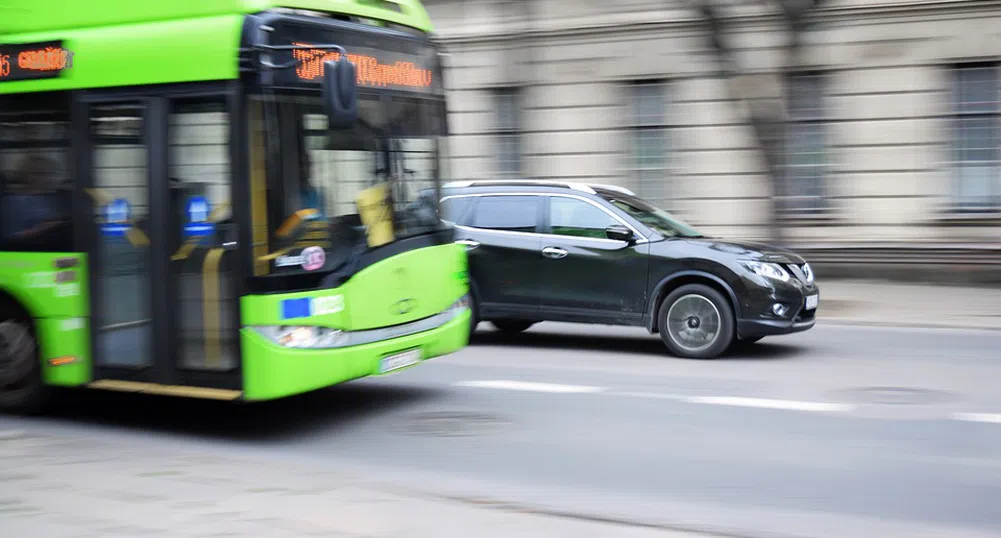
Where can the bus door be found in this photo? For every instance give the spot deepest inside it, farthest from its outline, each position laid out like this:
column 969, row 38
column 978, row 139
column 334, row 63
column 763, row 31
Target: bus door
column 163, row 247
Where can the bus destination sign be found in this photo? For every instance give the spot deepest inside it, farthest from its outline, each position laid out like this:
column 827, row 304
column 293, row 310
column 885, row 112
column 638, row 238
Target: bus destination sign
column 30, row 61
column 383, row 60
column 376, row 69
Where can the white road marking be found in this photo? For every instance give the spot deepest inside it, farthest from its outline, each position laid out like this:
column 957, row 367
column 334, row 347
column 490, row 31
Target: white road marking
column 650, row 396
column 989, row 418
column 531, row 387
column 789, row 405
column 733, row 401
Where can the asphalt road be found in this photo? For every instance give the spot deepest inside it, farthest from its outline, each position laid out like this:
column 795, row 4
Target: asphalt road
column 840, row 431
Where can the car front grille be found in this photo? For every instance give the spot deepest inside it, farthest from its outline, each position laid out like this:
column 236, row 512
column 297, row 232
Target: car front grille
column 805, row 315
column 797, row 270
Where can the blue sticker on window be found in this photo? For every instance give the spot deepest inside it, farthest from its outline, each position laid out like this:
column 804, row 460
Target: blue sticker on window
column 116, row 218
column 296, row 308
column 198, row 210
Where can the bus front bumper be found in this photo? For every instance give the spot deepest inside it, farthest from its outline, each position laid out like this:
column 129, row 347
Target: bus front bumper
column 272, row 371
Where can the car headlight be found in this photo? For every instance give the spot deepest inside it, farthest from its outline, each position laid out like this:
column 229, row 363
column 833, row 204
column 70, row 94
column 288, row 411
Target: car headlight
column 808, row 273
column 766, row 269
column 303, row 336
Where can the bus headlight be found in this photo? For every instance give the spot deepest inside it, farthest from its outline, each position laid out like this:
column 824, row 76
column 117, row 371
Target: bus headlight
column 303, row 336
column 458, row 306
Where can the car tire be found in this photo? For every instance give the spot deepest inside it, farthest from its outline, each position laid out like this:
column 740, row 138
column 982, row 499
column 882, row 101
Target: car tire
column 511, row 326
column 22, row 390
column 707, row 318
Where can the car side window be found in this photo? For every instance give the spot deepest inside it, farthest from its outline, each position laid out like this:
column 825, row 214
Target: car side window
column 455, row 209
column 507, row 213
column 576, row 218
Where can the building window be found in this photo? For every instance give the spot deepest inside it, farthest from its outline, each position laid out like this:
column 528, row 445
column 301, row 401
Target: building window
column 648, row 140
column 976, row 186
column 806, row 149
column 507, row 131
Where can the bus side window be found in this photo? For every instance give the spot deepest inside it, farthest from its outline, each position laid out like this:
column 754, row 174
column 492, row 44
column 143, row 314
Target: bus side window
column 35, row 192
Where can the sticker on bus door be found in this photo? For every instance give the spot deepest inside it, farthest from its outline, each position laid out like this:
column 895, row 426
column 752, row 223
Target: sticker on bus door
column 198, row 210
column 116, row 218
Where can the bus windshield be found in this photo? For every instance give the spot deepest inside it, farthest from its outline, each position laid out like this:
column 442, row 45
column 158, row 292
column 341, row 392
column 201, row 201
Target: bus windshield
column 348, row 190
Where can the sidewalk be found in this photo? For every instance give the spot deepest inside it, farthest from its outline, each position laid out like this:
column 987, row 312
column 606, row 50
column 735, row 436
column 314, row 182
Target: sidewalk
column 916, row 305
column 72, row 487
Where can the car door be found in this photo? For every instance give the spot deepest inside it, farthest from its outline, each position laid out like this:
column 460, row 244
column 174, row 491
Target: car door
column 501, row 236
column 586, row 276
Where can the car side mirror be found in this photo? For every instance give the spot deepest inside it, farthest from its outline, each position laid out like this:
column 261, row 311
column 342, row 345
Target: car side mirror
column 619, row 232
column 340, row 92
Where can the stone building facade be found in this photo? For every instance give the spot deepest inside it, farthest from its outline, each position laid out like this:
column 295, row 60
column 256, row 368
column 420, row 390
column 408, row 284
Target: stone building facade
column 895, row 116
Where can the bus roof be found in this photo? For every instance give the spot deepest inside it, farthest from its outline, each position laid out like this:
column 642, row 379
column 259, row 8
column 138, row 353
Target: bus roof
column 132, row 42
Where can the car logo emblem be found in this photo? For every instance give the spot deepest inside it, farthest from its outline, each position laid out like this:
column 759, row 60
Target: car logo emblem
column 404, row 306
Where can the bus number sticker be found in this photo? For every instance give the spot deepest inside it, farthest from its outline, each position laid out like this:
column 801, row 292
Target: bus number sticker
column 327, row 305
column 313, row 258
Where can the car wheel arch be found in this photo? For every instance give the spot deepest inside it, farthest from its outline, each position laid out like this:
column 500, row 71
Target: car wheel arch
column 681, row 278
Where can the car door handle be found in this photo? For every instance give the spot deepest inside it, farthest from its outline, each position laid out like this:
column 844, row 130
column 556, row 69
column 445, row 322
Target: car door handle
column 470, row 244
column 554, row 253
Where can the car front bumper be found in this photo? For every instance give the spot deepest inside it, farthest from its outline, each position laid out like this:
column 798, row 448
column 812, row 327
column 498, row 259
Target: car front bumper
column 758, row 318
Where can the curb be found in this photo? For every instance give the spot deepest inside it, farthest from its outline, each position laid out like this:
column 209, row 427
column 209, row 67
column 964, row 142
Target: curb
column 856, row 322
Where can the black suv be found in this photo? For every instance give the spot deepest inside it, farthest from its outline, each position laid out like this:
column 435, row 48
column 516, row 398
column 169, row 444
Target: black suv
column 573, row 252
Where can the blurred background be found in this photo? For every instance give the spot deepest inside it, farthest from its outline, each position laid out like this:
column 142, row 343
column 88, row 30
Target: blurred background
column 864, row 133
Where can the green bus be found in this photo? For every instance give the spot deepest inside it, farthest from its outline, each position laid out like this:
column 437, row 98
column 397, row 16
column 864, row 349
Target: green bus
column 221, row 198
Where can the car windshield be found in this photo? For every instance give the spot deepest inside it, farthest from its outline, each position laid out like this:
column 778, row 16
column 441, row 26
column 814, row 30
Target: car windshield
column 653, row 216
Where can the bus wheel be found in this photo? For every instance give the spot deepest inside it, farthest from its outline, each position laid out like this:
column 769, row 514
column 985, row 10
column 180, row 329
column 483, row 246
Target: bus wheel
column 21, row 388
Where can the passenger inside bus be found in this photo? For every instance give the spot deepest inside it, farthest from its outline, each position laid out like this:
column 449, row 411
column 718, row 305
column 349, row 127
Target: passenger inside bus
column 309, row 195
column 34, row 208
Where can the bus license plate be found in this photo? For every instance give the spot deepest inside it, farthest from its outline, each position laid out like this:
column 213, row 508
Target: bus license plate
column 811, row 301
column 399, row 361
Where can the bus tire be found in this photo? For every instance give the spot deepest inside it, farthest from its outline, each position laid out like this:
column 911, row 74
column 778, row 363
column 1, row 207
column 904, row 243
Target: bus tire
column 22, row 390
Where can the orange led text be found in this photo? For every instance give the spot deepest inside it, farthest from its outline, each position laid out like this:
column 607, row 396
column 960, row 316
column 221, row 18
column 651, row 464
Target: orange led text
column 47, row 59
column 370, row 71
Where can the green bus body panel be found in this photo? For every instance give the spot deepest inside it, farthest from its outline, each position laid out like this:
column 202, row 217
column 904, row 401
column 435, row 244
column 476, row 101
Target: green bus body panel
column 130, row 42
column 31, row 279
column 65, row 337
column 433, row 277
column 147, row 53
column 25, row 16
column 428, row 276
column 60, row 310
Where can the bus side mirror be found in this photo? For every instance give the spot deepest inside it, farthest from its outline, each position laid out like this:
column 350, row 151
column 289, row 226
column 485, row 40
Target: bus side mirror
column 340, row 92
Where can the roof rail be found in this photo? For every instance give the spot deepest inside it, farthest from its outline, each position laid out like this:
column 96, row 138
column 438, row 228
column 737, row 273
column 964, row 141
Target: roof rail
column 501, row 182
column 615, row 188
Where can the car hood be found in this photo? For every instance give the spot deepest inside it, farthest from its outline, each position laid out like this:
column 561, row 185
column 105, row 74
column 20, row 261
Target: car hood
column 749, row 250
